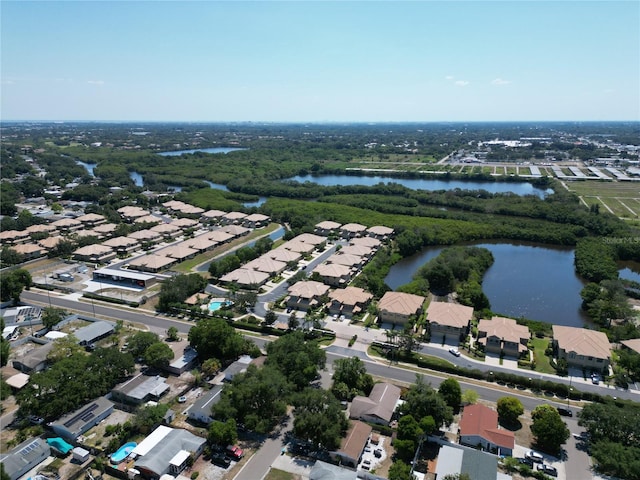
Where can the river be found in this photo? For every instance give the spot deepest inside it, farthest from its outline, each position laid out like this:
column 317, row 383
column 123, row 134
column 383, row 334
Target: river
column 177, row 153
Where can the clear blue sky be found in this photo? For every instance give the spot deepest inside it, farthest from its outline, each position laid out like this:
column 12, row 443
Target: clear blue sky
column 320, row 61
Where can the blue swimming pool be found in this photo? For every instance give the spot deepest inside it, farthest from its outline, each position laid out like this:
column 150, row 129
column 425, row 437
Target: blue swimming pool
column 123, row 452
column 215, row 305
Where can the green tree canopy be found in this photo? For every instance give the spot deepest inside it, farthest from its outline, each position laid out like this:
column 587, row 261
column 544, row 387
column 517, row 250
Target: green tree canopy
column 297, row 358
column 158, row 355
column 215, row 338
column 548, row 428
column 140, row 341
column 177, row 289
column 319, row 418
column 351, row 372
column 422, row 400
column 452, row 393
column 509, row 409
column 12, row 283
column 223, row 433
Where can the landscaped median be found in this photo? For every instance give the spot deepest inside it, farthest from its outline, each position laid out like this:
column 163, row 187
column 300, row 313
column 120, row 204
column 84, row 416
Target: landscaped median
column 537, row 386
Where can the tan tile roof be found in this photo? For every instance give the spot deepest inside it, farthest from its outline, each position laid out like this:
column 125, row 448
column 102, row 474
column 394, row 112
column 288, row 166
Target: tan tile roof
column 332, row 270
column 299, row 246
column 358, row 250
column 365, row 241
column 308, row 289
column 328, row 225
column 178, row 251
column 234, row 215
column 92, row 250
column 506, row 329
column 266, row 265
column 90, row 217
column 152, row 261
column 50, row 242
column 165, row 228
column 450, row 314
column 184, row 223
column 201, row 242
column 588, row 343
column 27, row 248
column 350, row 295
column 219, row 236
column 117, row 242
column 66, row 223
column 401, row 303
column 211, row 214
column 40, row 229
column 147, row 219
column 310, row 238
column 146, row 234
column 381, row 402
column 353, row 227
column 345, row 259
column 283, row 255
column 244, row 276
column 235, row 230
column 105, row 228
column 380, row 230
column 633, row 344
column 256, row 217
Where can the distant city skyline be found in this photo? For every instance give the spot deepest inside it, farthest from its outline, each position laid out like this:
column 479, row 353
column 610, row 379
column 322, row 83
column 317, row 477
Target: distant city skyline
column 324, row 61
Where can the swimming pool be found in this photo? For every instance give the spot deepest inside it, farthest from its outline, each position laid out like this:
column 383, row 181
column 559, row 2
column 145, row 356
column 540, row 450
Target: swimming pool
column 123, row 452
column 215, row 305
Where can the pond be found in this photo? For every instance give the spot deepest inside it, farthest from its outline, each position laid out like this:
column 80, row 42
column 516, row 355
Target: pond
column 526, row 280
column 519, row 188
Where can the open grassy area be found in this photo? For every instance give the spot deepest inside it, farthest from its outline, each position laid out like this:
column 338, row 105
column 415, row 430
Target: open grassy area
column 543, row 363
column 620, row 198
column 275, row 474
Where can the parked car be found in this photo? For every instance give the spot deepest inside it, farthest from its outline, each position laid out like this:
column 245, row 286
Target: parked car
column 548, row 470
column 534, row 456
column 565, row 412
column 235, row 452
column 595, row 378
column 454, row 351
column 525, row 461
column 182, row 399
column 220, row 460
column 377, row 452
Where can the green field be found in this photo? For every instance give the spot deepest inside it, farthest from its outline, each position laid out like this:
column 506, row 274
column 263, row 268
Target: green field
column 543, row 364
column 620, row 198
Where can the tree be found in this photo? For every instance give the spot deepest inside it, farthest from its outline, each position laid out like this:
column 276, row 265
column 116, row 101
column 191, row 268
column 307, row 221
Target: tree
column 548, row 428
column 509, row 409
column 256, row 398
column 422, row 400
column 452, row 393
column 223, row 433
column 149, row 417
column 177, row 289
column 298, row 359
column 469, row 397
column 352, row 372
column 293, row 321
column 400, row 471
column 12, row 284
column 409, row 434
column 64, row 347
column 5, row 346
column 210, row 367
column 158, row 355
column 51, row 316
column 140, row 341
column 215, row 338
column 172, row 334
column 270, row 317
column 319, row 418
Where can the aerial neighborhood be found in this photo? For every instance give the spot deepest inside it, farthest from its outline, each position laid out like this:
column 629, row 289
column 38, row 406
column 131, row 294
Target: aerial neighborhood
column 172, row 331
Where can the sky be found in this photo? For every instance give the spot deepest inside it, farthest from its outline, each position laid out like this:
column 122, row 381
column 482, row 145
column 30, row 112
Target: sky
column 320, row 61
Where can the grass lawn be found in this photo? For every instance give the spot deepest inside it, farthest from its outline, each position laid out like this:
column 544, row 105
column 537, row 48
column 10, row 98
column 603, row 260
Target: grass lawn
column 543, row 363
column 275, row 474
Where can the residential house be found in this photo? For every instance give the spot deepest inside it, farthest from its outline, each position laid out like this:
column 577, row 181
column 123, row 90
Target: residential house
column 212, row 216
column 50, row 243
column 582, row 348
column 105, row 229
column 185, row 223
column 328, row 471
column 245, row 277
column 283, row 255
column 398, row 307
column 380, row 232
column 24, row 457
column 299, row 247
column 140, row 389
column 255, row 220
column 266, row 265
column 334, row 274
column 366, row 242
column 239, row 366
column 179, row 251
column 232, row 218
column 359, row 251
column 219, row 236
column 12, row 237
column 378, row 407
column 152, row 263
column 149, row 219
column 479, row 427
column 348, row 301
column 633, row 344
column 167, row 451
column 352, row 230
column 503, row 336
column 74, row 424
column 122, row 245
column 29, row 251
column 200, row 411
column 457, row 459
column 168, row 231
column 353, row 444
column 315, row 240
column 130, row 213
column 33, row 360
column 146, row 236
column 40, row 228
column 183, row 361
column 90, row 220
column 201, row 243
column 355, row 262
column 448, row 322
column 94, row 254
column 307, row 294
column 67, row 225
column 236, row 230
column 94, row 332
column 327, row 228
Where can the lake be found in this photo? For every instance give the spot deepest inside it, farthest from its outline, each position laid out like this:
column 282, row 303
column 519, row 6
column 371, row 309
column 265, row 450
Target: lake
column 88, row 166
column 526, row 280
column 177, row 153
column 519, row 188
column 219, row 186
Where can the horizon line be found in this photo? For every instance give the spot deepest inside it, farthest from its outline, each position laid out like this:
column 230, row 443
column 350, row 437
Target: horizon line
column 320, row 122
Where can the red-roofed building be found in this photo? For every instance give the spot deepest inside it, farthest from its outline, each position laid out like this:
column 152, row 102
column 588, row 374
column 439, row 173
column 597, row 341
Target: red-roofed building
column 479, row 426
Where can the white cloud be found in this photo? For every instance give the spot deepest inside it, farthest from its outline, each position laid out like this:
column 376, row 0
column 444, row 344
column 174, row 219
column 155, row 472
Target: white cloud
column 500, row 81
column 7, row 82
column 449, row 77
column 461, row 83
column 96, row 82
